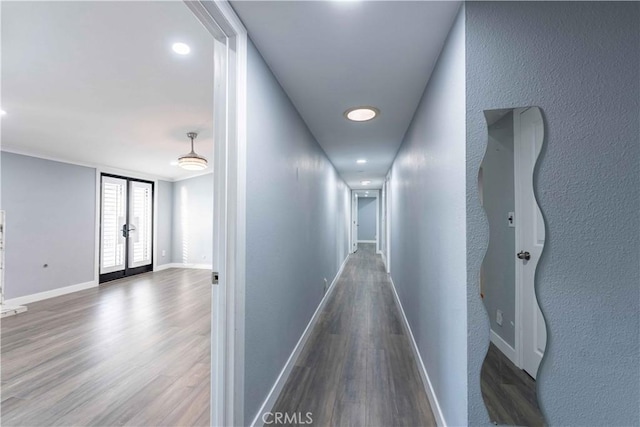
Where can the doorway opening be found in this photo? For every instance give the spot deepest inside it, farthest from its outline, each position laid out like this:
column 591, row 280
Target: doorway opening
column 365, row 219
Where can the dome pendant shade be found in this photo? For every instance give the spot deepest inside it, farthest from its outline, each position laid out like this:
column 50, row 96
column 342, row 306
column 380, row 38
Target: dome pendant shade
column 192, row 161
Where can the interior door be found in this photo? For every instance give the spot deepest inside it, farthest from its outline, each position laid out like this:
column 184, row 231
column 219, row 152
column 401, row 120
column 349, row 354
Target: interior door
column 531, row 235
column 126, row 227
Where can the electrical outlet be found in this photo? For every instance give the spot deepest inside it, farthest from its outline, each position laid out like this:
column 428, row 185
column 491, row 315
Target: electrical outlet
column 499, row 317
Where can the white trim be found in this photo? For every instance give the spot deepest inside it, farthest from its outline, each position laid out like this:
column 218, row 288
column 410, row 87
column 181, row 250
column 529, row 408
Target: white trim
column 426, row 381
column 28, row 299
column 377, row 220
column 181, row 265
column 504, row 346
column 7, row 311
column 367, row 241
column 275, row 391
column 229, row 208
column 353, row 223
column 387, row 200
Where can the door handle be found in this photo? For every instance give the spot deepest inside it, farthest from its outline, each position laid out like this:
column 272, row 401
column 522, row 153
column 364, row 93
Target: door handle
column 126, row 229
column 524, row 255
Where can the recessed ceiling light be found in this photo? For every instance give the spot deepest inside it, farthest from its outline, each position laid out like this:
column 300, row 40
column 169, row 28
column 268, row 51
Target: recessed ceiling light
column 181, row 48
column 365, row 182
column 2, row 112
column 361, row 161
column 361, row 114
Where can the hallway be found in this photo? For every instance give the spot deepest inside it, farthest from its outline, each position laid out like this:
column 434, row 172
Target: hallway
column 358, row 367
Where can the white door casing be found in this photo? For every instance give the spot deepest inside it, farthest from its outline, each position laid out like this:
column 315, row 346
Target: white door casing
column 229, row 208
column 354, row 222
column 531, row 333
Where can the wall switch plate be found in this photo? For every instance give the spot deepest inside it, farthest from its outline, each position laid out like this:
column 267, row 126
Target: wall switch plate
column 499, row 317
column 164, row 253
column 511, row 218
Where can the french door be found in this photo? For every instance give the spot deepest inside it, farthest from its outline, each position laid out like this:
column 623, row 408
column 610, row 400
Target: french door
column 126, row 227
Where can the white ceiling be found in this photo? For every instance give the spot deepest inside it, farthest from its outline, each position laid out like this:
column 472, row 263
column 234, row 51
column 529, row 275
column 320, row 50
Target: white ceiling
column 98, row 83
column 332, row 55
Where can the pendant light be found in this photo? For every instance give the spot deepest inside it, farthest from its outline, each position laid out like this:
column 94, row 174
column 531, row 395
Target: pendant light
column 192, row 161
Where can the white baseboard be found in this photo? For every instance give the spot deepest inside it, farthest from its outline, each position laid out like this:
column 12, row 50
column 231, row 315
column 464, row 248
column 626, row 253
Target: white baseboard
column 367, row 241
column 28, row 299
column 180, row 265
column 273, row 395
column 431, row 394
column 6, row 311
column 504, row 347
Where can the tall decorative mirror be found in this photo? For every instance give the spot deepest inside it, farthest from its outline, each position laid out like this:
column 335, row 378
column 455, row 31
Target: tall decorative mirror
column 507, row 276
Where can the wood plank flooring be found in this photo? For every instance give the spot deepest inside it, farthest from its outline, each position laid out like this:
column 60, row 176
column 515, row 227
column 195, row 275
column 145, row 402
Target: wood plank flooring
column 357, row 368
column 509, row 392
column 133, row 352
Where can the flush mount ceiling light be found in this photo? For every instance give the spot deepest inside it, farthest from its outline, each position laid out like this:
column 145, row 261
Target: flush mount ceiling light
column 361, row 114
column 192, row 161
column 361, row 161
column 181, row 48
column 365, row 182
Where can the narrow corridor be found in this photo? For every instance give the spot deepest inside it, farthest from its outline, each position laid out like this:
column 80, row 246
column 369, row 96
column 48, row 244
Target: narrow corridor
column 357, row 367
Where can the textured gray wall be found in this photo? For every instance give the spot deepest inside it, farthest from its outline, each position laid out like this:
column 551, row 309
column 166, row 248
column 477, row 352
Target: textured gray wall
column 499, row 265
column 164, row 218
column 577, row 61
column 297, row 230
column 192, row 236
column 50, row 208
column 428, row 228
column 366, row 218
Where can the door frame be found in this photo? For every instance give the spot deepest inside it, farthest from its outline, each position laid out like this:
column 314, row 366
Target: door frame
column 229, row 208
column 354, row 219
column 353, row 230
column 141, row 269
column 387, row 243
column 124, row 174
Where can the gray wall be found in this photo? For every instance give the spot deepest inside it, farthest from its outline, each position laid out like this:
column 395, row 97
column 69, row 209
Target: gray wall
column 428, row 228
column 50, row 209
column 164, row 218
column 499, row 267
column 577, row 61
column 297, row 230
column 192, row 236
column 366, row 218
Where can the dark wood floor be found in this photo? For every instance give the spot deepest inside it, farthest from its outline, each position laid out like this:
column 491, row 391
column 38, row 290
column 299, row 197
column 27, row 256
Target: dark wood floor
column 509, row 392
column 132, row 352
column 357, row 368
